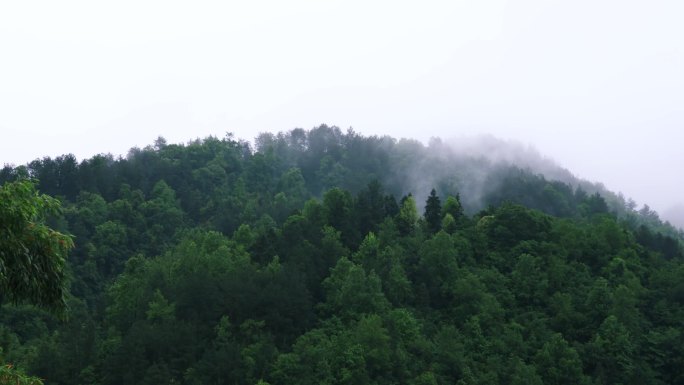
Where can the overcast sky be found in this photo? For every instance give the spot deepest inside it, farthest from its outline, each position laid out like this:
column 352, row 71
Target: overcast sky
column 597, row 85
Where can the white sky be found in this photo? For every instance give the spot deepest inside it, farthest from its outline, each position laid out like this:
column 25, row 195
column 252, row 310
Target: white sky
column 597, row 85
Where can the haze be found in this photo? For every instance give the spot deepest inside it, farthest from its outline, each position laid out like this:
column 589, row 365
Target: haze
column 597, row 86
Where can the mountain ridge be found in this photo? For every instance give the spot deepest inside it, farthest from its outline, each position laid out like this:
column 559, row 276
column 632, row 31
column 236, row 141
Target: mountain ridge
column 328, row 257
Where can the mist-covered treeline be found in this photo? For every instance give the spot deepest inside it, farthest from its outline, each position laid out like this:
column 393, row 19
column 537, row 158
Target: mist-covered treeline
column 322, row 257
column 484, row 171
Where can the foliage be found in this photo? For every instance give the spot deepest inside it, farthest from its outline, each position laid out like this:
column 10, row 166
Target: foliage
column 32, row 255
column 292, row 262
column 10, row 376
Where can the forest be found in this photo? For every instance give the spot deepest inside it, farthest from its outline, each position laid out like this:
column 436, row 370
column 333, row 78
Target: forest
column 328, row 257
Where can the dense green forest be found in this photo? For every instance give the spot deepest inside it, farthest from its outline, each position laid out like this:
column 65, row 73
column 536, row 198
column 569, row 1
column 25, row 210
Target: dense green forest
column 325, row 257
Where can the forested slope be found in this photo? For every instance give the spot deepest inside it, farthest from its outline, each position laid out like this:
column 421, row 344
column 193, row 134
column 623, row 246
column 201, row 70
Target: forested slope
column 322, row 257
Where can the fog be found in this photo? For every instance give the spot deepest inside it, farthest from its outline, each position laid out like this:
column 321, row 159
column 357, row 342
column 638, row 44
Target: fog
column 596, row 86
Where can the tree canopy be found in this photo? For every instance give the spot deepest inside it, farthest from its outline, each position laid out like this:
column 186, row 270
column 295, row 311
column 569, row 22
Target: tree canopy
column 324, row 257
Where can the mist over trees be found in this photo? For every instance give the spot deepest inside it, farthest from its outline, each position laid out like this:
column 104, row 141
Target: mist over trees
column 324, row 256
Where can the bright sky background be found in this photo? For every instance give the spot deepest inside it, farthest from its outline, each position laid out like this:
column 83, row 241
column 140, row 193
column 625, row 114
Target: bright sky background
column 597, row 85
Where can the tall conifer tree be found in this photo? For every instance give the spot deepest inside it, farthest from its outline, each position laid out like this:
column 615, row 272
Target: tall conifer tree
column 433, row 212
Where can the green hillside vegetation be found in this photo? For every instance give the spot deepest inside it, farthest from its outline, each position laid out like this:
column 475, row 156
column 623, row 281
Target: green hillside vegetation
column 323, row 257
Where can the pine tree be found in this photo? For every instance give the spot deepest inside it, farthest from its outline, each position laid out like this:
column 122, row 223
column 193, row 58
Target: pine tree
column 433, row 212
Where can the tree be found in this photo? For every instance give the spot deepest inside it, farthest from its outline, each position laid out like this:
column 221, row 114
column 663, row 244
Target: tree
column 559, row 363
column 595, row 204
column 612, row 352
column 453, row 207
column 525, row 375
column 408, row 215
column 350, row 292
column 370, row 207
column 437, row 269
column 513, row 223
column 8, row 375
column 530, row 281
column 433, row 212
column 338, row 206
column 32, row 255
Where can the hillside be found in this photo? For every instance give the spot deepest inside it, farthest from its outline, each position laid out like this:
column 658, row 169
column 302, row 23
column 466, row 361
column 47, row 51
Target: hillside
column 327, row 257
